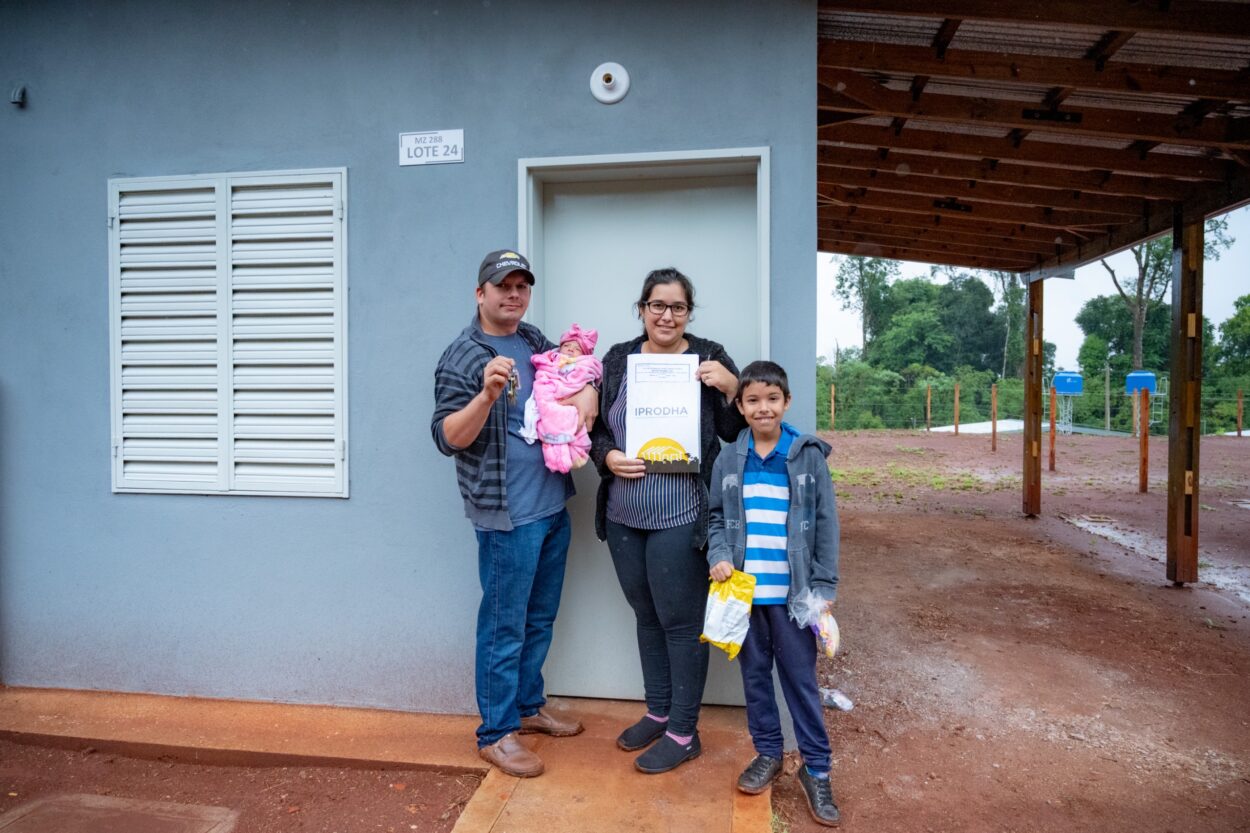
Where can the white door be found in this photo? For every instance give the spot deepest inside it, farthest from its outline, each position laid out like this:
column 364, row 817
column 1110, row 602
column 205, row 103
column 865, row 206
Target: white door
column 594, row 242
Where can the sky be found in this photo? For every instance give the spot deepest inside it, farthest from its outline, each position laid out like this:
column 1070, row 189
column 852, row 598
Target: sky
column 1223, row 282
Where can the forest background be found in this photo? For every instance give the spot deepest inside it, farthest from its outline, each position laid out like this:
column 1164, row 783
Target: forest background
column 920, row 335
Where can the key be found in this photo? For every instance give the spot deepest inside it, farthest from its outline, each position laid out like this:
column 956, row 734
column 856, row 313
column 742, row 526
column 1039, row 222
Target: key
column 514, row 386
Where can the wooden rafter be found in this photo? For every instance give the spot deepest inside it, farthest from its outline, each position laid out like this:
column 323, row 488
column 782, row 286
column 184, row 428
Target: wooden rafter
column 963, row 189
column 901, row 233
column 920, row 250
column 1075, row 73
column 941, row 222
column 1221, row 20
column 933, row 240
column 846, row 91
column 984, row 262
column 1008, row 173
column 982, row 211
column 1048, row 154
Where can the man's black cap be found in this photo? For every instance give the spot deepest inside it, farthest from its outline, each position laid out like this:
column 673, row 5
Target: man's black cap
column 499, row 264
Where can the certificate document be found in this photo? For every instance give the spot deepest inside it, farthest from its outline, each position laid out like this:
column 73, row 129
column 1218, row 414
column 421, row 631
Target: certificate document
column 662, row 420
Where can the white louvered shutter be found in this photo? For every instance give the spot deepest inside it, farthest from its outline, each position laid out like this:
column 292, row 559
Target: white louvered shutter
column 229, row 334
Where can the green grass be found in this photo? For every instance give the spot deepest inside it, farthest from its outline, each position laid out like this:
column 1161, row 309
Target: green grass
column 779, row 824
column 895, row 475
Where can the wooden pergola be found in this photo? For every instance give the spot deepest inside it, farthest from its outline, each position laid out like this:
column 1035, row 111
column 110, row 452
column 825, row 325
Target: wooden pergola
column 1033, row 138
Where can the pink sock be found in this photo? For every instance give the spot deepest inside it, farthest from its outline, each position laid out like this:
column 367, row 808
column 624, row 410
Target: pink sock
column 657, row 719
column 682, row 740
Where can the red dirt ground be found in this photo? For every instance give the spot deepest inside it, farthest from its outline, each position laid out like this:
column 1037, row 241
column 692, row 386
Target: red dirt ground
column 1009, row 674
column 1016, row 674
column 268, row 799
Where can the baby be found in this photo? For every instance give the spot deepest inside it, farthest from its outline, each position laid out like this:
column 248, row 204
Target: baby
column 559, row 374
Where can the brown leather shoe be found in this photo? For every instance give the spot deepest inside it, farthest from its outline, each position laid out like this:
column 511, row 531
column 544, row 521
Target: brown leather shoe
column 548, row 724
column 512, row 757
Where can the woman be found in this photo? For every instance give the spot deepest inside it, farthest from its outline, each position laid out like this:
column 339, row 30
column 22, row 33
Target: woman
column 656, row 524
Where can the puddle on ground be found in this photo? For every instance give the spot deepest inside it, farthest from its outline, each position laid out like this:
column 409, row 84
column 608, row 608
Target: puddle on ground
column 1231, row 577
column 1243, row 503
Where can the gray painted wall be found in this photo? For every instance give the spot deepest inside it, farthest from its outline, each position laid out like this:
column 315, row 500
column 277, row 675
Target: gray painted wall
column 371, row 600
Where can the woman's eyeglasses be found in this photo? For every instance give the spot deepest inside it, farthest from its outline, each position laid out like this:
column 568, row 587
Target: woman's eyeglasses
column 657, row 309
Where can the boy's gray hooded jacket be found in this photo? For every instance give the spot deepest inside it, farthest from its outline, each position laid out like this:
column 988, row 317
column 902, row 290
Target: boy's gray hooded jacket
column 813, row 558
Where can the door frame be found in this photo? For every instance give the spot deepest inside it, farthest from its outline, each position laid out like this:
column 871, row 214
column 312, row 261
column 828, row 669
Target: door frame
column 533, row 173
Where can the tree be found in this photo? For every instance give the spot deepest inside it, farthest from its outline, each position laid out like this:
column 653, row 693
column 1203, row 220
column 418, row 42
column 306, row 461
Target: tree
column 1110, row 320
column 862, row 283
column 1235, row 338
column 915, row 336
column 1011, row 309
column 1154, row 276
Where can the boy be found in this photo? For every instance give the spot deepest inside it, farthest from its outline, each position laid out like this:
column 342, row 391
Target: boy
column 772, row 514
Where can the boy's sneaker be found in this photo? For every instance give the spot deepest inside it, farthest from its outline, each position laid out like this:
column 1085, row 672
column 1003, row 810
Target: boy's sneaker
column 819, row 792
column 641, row 734
column 667, row 754
column 759, row 774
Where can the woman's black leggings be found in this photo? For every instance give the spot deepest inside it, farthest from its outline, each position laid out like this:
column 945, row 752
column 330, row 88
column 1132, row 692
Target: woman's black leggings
column 665, row 581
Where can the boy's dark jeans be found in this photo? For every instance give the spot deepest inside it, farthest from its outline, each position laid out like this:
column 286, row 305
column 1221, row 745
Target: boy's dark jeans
column 665, row 581
column 773, row 635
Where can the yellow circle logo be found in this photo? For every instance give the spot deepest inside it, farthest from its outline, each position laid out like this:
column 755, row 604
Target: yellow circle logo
column 663, row 450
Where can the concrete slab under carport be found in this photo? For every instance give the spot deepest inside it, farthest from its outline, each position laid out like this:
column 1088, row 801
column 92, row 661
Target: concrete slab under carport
column 589, row 783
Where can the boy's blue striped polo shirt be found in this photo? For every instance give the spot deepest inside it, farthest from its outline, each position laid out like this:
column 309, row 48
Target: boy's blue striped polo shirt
column 766, row 503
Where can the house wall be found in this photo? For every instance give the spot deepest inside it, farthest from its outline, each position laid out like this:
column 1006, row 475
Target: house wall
column 369, row 600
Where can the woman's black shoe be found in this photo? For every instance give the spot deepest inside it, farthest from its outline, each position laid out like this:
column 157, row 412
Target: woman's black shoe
column 819, row 792
column 759, row 774
column 667, row 754
column 641, row 734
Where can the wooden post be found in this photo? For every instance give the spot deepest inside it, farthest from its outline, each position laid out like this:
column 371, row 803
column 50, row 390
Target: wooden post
column 1143, row 468
column 833, row 405
column 1053, row 400
column 993, row 417
column 1032, row 472
column 956, row 409
column 1106, row 396
column 1136, row 414
column 1239, row 408
column 1184, row 397
column 928, row 406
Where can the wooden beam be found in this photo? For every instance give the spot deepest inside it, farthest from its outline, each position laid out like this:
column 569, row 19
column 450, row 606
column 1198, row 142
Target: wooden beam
column 1185, row 400
column 904, row 161
column 965, row 189
column 833, row 247
column 1225, row 20
column 868, row 244
column 982, row 211
column 1212, row 199
column 997, row 242
column 1048, row 70
column 931, row 220
column 1047, row 154
column 1033, row 355
column 846, row 91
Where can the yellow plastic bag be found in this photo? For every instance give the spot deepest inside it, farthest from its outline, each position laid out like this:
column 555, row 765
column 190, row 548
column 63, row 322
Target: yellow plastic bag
column 728, row 613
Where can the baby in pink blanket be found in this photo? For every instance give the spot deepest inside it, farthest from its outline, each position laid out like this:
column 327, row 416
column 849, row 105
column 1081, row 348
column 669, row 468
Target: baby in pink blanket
column 559, row 374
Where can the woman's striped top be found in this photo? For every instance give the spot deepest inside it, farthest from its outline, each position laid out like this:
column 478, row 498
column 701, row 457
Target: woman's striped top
column 656, row 501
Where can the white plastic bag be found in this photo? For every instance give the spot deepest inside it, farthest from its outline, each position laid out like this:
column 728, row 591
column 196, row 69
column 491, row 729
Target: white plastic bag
column 811, row 611
column 728, row 614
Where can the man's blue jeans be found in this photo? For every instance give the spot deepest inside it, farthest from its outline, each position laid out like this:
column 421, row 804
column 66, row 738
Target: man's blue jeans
column 522, row 573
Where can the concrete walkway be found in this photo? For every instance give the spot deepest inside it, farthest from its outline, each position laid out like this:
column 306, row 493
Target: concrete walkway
column 589, row 783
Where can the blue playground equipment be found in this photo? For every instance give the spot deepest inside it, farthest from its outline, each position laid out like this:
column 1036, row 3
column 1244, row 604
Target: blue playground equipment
column 1139, row 379
column 1067, row 385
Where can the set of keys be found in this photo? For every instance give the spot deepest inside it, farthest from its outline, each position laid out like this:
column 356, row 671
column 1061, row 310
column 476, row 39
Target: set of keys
column 514, row 386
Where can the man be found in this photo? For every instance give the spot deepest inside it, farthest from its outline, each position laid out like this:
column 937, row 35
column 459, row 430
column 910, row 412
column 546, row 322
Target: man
column 516, row 506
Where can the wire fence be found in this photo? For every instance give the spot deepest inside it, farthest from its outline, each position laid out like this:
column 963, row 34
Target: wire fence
column 934, row 404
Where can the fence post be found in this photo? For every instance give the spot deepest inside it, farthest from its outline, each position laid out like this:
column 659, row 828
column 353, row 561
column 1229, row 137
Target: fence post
column 1053, row 402
column 928, row 406
column 1144, row 429
column 1239, row 404
column 956, row 409
column 1106, row 396
column 833, row 405
column 993, row 417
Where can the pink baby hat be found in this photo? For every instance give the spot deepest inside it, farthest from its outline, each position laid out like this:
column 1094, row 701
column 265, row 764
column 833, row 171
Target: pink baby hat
column 585, row 338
